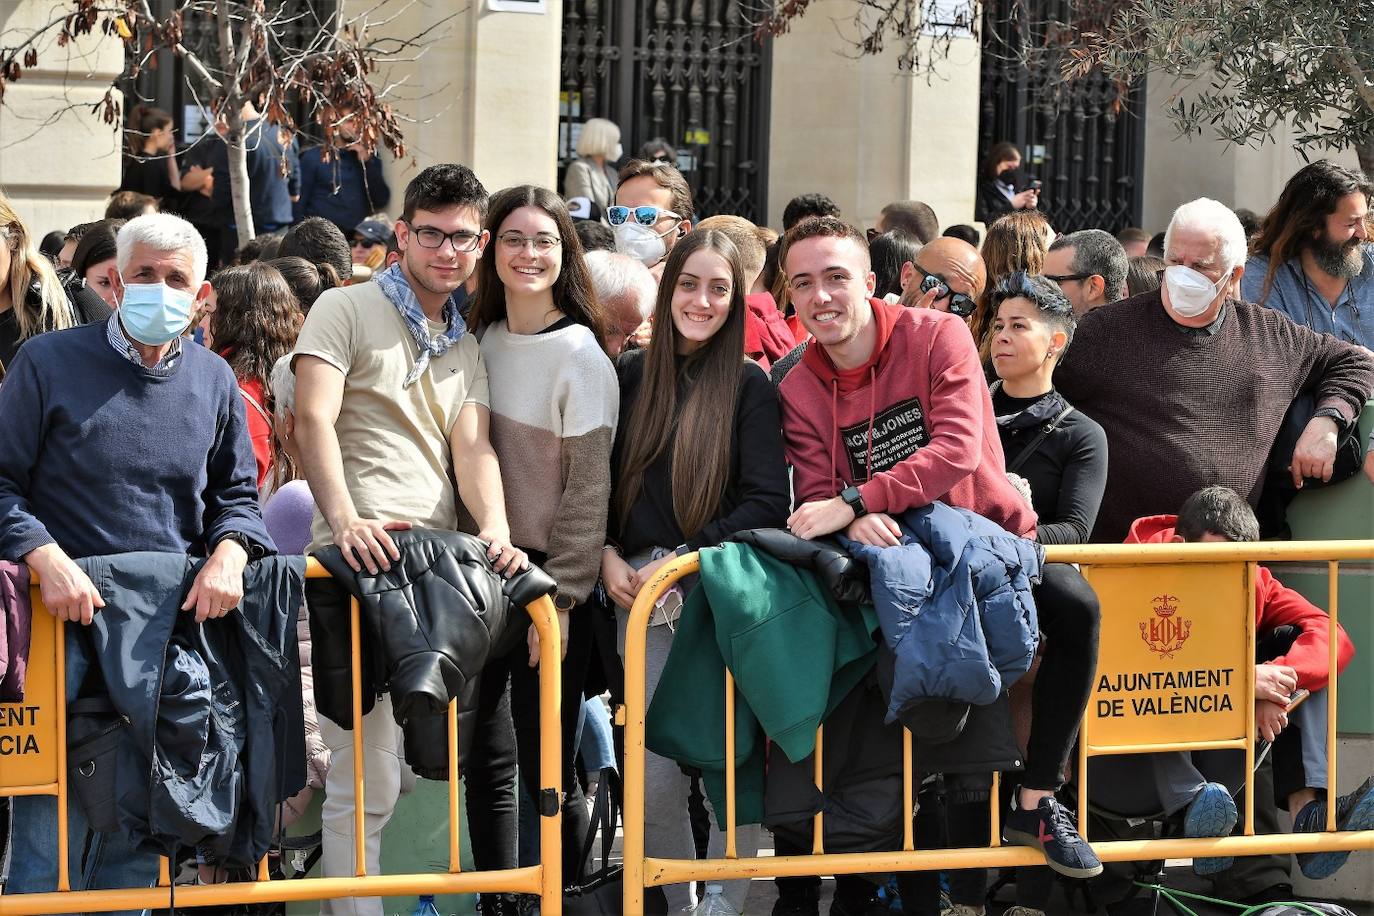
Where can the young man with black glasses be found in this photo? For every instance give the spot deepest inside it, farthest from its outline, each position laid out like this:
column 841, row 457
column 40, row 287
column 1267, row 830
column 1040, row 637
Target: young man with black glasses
column 1090, row 267
column 392, row 418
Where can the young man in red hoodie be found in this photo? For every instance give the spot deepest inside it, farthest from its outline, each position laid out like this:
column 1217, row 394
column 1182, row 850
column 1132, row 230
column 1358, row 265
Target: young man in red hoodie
column 1293, row 643
column 888, row 411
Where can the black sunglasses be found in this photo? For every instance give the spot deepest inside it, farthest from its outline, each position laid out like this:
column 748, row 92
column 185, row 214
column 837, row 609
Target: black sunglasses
column 1060, row 278
column 959, row 303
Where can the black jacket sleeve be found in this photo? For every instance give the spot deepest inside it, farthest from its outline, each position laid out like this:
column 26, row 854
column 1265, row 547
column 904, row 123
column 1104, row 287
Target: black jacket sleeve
column 1081, row 487
column 760, row 471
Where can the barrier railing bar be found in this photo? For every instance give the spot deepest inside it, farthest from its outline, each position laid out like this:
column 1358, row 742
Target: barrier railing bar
column 1084, row 727
column 636, row 635
column 641, row 872
column 550, row 869
column 355, row 664
column 455, row 855
column 908, row 840
column 1332, row 632
column 544, row 879
column 1251, row 590
column 729, row 765
column 60, row 651
column 1227, row 744
column 676, row 871
column 995, row 814
column 818, row 822
column 516, row 880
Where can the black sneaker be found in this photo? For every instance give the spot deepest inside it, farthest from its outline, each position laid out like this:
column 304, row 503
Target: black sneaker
column 1353, row 812
column 1049, row 828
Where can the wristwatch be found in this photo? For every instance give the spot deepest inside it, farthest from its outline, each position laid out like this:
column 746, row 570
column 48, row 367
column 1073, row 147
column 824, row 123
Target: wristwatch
column 1334, row 414
column 682, row 550
column 241, row 539
column 563, row 602
column 854, row 500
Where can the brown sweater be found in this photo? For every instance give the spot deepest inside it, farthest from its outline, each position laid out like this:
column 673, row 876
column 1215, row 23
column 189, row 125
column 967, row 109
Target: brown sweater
column 1184, row 411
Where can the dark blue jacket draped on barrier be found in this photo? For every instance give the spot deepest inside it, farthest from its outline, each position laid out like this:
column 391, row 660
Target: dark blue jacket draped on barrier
column 199, row 763
column 954, row 602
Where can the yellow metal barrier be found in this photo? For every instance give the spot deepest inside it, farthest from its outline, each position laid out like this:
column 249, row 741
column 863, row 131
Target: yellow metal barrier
column 42, row 770
column 1159, row 600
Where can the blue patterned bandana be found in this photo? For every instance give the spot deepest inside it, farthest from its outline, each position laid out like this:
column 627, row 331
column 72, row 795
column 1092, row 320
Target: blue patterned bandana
column 397, row 289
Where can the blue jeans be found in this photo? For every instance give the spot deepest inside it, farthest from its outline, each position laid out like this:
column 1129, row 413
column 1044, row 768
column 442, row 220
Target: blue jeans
column 595, row 744
column 108, row 862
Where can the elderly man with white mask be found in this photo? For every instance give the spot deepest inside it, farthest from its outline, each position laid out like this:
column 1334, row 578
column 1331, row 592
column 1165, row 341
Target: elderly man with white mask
column 1191, row 384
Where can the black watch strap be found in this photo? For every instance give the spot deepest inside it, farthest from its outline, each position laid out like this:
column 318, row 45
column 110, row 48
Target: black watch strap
column 854, row 499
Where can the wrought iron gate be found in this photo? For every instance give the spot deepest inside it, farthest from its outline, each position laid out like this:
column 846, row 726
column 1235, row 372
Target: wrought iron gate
column 686, row 71
column 1087, row 149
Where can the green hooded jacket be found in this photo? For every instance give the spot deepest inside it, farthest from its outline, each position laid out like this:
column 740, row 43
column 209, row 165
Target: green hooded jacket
column 793, row 651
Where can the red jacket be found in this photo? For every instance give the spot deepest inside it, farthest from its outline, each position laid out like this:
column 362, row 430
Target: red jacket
column 767, row 336
column 259, row 425
column 1276, row 605
column 922, row 419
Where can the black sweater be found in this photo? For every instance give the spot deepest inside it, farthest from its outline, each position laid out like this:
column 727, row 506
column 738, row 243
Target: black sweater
column 1067, row 472
column 756, row 496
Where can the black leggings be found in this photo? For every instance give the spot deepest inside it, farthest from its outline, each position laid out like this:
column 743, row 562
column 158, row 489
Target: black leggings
column 1071, row 619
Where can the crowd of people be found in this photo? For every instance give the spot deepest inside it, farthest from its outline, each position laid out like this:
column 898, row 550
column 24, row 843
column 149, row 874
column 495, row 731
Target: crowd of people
column 552, row 374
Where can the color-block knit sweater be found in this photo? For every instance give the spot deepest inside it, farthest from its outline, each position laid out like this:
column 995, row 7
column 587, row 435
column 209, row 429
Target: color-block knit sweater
column 554, row 405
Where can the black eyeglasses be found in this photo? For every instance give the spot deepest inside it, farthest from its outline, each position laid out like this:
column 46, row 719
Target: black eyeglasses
column 959, row 303
column 429, row 237
column 1060, row 278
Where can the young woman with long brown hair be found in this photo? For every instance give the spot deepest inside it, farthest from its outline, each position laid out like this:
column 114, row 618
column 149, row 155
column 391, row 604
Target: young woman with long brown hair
column 253, row 323
column 554, row 405
column 31, row 297
column 690, row 472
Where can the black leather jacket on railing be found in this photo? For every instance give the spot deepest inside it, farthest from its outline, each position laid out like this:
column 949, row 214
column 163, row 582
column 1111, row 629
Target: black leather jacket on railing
column 428, row 626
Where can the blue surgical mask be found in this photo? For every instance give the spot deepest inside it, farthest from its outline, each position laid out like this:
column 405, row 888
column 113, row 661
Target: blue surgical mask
column 155, row 313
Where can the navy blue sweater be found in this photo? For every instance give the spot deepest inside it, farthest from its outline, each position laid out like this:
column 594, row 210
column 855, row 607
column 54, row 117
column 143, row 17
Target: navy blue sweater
column 101, row 458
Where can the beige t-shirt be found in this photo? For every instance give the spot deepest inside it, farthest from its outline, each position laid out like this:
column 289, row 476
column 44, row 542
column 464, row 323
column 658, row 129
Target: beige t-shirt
column 397, row 461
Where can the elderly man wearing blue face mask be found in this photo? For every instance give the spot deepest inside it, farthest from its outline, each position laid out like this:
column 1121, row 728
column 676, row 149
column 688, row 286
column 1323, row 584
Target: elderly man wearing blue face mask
column 119, row 437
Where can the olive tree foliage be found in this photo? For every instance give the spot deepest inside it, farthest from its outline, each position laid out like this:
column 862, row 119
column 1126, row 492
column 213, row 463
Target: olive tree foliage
column 260, row 61
column 1245, row 67
column 1239, row 69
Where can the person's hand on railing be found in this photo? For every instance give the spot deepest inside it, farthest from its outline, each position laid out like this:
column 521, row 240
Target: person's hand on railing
column 1275, row 683
column 505, row 557
column 1270, row 719
column 218, row 587
column 364, row 542
column 532, row 639
column 68, row 593
column 1369, row 465
column 621, row 581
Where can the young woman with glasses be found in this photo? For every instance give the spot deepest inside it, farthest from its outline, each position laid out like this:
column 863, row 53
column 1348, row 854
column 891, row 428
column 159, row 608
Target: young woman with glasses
column 690, row 473
column 554, row 403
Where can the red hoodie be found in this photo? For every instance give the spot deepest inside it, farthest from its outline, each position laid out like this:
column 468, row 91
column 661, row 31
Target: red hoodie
column 1276, row 605
column 767, row 336
column 922, row 419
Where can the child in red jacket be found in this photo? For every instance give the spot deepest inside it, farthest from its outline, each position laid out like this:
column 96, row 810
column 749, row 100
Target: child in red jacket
column 1292, row 654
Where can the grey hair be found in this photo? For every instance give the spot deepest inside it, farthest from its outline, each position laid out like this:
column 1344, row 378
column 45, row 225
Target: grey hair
column 616, row 277
column 284, row 387
column 162, row 232
column 1214, row 217
column 1097, row 252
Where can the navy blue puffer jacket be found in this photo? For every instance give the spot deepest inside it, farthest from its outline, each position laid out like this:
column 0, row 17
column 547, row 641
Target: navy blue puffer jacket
column 954, row 602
